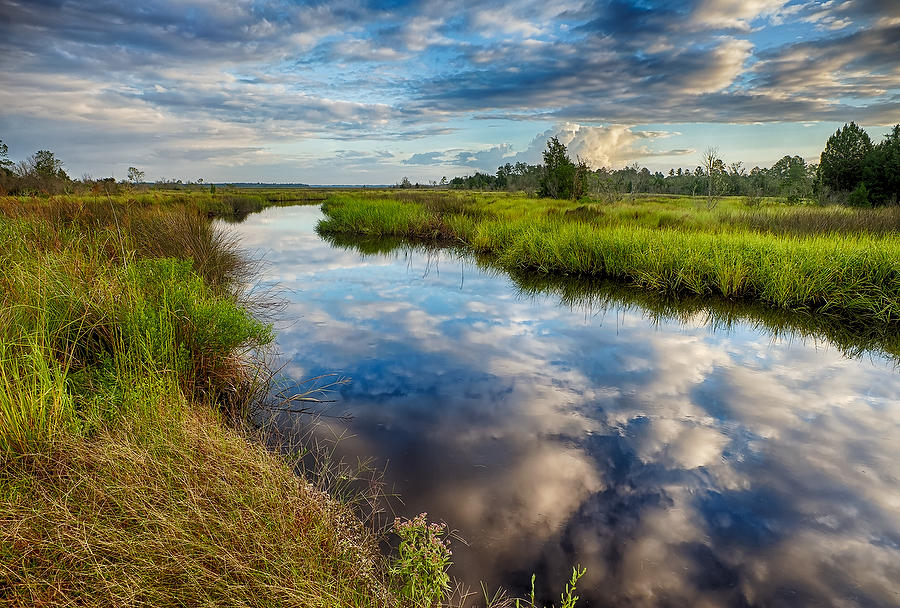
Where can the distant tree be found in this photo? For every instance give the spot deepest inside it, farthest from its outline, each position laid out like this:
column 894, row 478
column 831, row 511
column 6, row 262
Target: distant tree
column 559, row 171
column 503, row 173
column 609, row 186
column 405, row 183
column 42, row 172
column 7, row 177
column 46, row 166
column 713, row 169
column 790, row 173
column 842, row 161
column 580, row 181
column 5, row 163
column 859, row 197
column 135, row 175
column 526, row 178
column 737, row 178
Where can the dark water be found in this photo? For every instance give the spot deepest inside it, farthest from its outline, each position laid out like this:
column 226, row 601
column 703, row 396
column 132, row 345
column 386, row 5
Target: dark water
column 682, row 462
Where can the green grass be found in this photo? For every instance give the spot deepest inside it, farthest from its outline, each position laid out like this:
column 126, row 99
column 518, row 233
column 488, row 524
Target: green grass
column 231, row 204
column 837, row 262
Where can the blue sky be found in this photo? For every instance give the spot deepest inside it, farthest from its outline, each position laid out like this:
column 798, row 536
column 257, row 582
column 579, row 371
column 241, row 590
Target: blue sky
column 356, row 92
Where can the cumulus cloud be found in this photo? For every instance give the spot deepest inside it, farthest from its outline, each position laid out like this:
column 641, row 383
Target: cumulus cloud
column 600, row 146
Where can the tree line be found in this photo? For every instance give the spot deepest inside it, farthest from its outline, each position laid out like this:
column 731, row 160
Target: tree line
column 43, row 173
column 851, row 170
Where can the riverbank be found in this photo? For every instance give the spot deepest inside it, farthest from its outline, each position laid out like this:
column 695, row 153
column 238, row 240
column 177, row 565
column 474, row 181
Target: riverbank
column 838, row 262
column 127, row 367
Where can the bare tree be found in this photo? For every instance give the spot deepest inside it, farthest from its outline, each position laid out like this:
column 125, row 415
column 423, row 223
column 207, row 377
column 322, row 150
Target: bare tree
column 712, row 165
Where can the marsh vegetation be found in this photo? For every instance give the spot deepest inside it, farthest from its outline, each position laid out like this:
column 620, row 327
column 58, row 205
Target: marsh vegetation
column 130, row 364
column 836, row 261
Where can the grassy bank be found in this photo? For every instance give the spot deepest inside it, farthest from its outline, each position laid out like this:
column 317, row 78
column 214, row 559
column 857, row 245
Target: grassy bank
column 230, row 204
column 594, row 296
column 838, row 262
column 126, row 367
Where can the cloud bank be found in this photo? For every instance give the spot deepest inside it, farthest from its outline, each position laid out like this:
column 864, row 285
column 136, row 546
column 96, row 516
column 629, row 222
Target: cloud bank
column 264, row 82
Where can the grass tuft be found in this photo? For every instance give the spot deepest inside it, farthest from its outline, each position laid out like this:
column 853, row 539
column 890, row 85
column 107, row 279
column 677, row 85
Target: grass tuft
column 194, row 516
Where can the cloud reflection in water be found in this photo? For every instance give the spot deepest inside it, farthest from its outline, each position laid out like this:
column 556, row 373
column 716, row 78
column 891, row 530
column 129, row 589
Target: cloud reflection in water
column 682, row 465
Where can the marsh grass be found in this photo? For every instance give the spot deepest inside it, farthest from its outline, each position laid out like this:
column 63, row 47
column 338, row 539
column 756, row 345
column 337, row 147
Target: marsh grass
column 806, row 221
column 90, row 312
column 193, row 516
column 230, row 204
column 128, row 476
column 840, row 263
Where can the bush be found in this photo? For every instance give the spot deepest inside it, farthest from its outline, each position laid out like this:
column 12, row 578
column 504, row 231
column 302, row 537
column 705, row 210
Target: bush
column 859, row 197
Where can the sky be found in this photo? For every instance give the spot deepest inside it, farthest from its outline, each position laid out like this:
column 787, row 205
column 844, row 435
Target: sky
column 353, row 92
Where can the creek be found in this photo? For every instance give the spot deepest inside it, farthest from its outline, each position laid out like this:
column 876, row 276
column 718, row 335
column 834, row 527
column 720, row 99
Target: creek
column 681, row 459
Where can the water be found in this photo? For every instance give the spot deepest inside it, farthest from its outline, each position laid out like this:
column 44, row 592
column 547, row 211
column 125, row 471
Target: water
column 681, row 462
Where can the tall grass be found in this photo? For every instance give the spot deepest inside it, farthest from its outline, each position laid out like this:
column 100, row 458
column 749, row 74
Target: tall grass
column 126, row 367
column 35, row 405
column 97, row 309
column 231, row 204
column 193, row 516
column 797, row 260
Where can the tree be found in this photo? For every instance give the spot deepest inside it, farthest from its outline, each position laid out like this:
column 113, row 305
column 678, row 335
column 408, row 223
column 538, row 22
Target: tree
column 580, row 178
column 713, row 169
column 842, row 161
column 46, row 166
column 5, row 163
column 559, row 171
column 135, row 175
column 42, row 172
column 503, row 173
column 859, row 197
column 882, row 170
column 792, row 178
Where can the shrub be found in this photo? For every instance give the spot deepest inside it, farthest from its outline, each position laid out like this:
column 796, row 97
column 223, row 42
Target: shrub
column 859, row 197
column 421, row 565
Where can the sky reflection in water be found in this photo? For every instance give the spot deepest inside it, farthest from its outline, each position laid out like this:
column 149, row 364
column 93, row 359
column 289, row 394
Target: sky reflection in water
column 681, row 465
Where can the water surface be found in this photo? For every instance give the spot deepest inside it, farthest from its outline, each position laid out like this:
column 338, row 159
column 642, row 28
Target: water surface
column 681, row 462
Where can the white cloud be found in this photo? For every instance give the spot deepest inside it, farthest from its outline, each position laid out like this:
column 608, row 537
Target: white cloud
column 600, row 146
column 735, row 14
